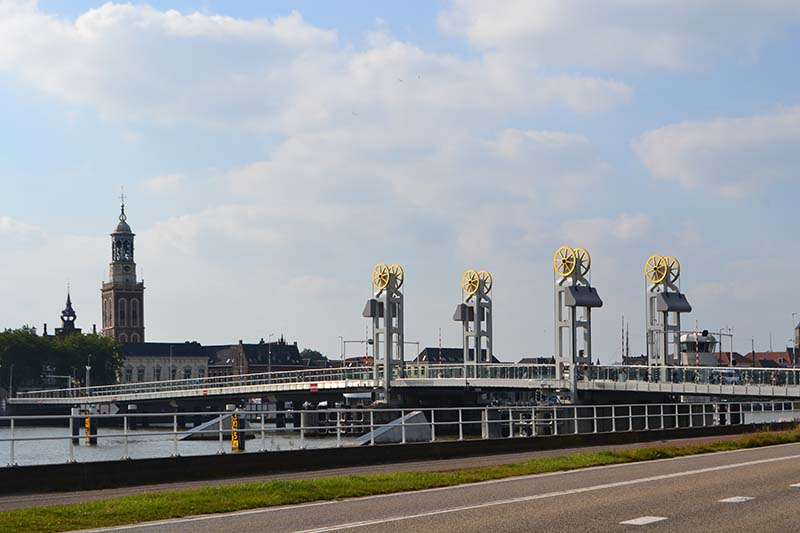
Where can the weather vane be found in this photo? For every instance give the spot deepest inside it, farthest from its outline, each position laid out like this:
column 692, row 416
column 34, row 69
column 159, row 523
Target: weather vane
column 122, row 216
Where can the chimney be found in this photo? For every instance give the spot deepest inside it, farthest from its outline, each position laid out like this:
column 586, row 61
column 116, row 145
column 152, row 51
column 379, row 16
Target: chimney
column 45, row 331
column 94, row 329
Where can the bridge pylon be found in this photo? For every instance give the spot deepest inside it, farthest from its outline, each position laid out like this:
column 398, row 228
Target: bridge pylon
column 385, row 309
column 475, row 315
column 574, row 300
column 665, row 304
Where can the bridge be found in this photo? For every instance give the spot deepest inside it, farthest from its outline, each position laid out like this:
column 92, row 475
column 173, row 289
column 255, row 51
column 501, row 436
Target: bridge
column 699, row 381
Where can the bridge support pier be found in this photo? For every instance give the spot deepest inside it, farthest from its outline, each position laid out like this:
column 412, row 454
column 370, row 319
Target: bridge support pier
column 280, row 418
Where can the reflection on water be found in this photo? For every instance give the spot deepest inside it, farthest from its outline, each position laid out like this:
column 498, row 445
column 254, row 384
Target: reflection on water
column 142, row 443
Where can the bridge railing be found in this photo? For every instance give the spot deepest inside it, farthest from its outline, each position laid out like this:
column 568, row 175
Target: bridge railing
column 66, row 438
column 266, row 378
column 495, row 371
column 777, row 377
column 409, row 371
column 481, row 371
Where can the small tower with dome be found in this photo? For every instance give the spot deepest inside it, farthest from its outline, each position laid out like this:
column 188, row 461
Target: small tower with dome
column 68, row 317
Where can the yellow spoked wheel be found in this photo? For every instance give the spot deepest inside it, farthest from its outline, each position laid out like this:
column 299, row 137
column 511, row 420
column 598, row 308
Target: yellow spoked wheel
column 564, row 261
column 470, row 282
column 380, row 276
column 484, row 276
column 584, row 260
column 655, row 269
column 397, row 270
column 673, row 268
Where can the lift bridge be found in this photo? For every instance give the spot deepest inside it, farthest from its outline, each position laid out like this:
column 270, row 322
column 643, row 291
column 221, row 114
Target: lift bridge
column 390, row 379
column 643, row 380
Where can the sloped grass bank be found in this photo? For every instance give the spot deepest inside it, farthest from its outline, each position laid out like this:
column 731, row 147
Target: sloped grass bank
column 159, row 506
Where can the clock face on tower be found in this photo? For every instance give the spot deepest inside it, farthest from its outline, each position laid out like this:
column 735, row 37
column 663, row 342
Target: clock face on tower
column 126, row 269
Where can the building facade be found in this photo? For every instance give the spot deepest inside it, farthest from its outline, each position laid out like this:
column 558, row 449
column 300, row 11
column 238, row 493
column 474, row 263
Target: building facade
column 162, row 361
column 122, row 296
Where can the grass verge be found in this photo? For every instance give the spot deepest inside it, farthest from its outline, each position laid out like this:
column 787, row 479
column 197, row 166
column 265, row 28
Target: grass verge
column 220, row 499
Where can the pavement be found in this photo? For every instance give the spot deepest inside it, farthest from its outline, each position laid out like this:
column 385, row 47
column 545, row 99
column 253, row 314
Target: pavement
column 744, row 490
column 19, row 501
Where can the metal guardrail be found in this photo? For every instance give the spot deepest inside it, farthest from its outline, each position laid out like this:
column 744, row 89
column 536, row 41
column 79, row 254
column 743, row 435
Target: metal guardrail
column 217, row 382
column 777, row 377
column 426, row 425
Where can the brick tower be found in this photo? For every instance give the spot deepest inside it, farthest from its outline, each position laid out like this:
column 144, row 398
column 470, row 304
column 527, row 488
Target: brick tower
column 123, row 294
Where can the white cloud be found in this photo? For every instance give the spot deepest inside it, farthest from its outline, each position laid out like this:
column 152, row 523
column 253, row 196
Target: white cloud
column 732, row 156
column 168, row 183
column 605, row 232
column 136, row 63
column 199, row 235
column 661, row 33
column 18, row 231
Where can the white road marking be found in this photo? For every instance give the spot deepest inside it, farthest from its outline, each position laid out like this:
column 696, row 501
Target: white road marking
column 469, row 485
column 736, row 499
column 796, row 485
column 643, row 520
column 380, row 521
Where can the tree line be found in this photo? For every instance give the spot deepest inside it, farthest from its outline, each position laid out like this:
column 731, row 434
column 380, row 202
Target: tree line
column 31, row 360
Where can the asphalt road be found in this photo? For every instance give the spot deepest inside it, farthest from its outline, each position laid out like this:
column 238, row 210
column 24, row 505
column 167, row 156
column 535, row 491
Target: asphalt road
column 19, row 501
column 746, row 490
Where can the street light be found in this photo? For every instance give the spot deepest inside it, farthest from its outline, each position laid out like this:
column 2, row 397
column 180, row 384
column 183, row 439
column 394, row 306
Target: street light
column 366, row 342
column 413, row 342
column 269, row 352
column 341, row 349
column 730, row 334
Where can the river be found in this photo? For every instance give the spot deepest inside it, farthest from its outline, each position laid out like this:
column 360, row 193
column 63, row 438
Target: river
column 142, row 443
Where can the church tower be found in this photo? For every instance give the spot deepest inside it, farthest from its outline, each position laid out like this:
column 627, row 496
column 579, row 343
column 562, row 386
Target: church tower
column 123, row 295
column 68, row 317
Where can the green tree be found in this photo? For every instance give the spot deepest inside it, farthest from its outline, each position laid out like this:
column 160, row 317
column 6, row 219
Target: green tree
column 73, row 352
column 313, row 357
column 32, row 356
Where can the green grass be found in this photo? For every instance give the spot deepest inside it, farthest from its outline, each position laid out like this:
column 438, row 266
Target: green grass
column 219, row 499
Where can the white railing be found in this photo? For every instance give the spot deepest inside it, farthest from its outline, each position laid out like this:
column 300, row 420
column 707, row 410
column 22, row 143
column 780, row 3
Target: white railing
column 301, row 429
column 530, row 376
column 200, row 384
column 727, row 375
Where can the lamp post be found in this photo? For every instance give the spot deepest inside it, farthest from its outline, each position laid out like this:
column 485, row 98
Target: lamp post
column 365, row 342
column 730, row 336
column 171, row 377
column 269, row 352
column 753, row 350
column 341, row 349
column 11, row 381
column 88, row 370
column 413, row 342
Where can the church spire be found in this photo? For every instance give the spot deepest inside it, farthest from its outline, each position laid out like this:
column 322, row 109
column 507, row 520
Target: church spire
column 68, row 314
column 68, row 317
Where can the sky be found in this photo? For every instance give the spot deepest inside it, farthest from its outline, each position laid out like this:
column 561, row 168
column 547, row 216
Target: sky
column 273, row 152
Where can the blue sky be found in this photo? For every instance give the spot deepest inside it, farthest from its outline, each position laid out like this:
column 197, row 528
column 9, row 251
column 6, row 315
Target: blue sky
column 272, row 152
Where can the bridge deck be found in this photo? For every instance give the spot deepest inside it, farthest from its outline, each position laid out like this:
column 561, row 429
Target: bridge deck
column 751, row 382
